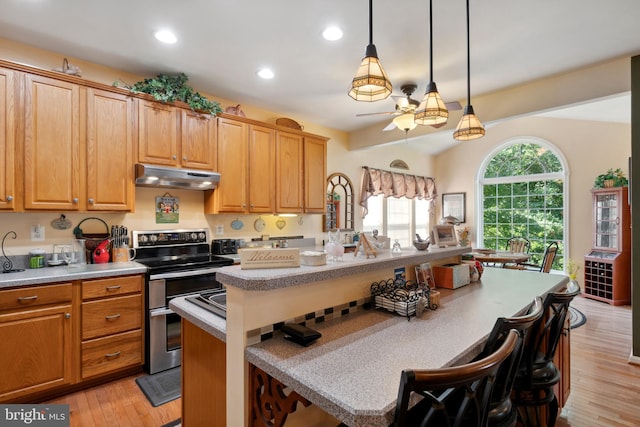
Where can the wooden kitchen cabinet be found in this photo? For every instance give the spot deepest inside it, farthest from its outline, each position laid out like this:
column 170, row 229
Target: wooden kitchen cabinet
column 52, row 134
column 112, row 313
column 247, row 169
column 37, row 323
column 315, row 174
column 8, row 94
column 290, row 173
column 172, row 136
column 109, row 142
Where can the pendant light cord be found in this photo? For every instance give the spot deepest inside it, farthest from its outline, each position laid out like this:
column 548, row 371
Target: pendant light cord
column 371, row 21
column 468, row 60
column 430, row 41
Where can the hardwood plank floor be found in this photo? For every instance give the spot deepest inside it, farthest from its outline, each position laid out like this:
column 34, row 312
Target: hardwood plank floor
column 605, row 388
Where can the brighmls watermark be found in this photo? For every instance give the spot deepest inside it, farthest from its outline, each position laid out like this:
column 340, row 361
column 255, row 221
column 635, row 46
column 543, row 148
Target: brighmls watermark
column 34, row 415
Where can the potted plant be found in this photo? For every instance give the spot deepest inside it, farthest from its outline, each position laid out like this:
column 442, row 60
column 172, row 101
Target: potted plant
column 611, row 178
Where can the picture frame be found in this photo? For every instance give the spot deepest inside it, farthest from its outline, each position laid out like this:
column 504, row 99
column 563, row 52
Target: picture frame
column 454, row 204
column 424, row 275
column 445, row 235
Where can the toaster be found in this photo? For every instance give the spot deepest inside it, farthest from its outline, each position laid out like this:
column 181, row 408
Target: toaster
column 224, row 246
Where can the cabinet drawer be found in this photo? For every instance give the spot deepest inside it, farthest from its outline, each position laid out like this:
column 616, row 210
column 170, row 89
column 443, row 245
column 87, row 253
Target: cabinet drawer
column 110, row 316
column 111, row 287
column 110, row 353
column 35, row 296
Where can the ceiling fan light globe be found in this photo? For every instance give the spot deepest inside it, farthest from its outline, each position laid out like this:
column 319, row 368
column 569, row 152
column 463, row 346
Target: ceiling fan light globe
column 405, row 122
column 432, row 110
column 469, row 127
column 371, row 82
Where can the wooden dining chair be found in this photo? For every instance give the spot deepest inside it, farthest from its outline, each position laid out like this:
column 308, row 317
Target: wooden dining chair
column 519, row 245
column 457, row 395
column 547, row 260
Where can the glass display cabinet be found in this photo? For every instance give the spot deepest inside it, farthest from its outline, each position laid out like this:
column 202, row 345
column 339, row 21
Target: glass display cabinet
column 607, row 267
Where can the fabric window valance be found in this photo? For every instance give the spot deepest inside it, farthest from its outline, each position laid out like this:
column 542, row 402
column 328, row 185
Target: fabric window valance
column 387, row 183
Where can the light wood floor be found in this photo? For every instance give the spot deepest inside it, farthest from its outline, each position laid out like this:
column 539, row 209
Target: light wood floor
column 605, row 389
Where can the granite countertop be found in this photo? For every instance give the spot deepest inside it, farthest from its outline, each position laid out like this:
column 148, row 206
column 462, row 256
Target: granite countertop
column 275, row 278
column 347, row 375
column 204, row 319
column 63, row 273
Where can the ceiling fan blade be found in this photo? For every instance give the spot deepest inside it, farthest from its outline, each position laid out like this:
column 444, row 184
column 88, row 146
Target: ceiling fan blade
column 390, row 126
column 377, row 114
column 453, row 106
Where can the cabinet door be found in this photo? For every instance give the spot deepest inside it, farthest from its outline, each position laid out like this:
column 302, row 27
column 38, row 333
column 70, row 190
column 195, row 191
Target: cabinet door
column 289, row 175
column 315, row 175
column 51, row 144
column 109, row 151
column 262, row 169
column 157, row 133
column 231, row 194
column 40, row 354
column 198, row 141
column 7, row 138
column 610, row 214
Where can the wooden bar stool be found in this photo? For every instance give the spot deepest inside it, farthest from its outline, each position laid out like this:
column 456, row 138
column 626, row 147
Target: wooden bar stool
column 457, row 395
column 502, row 412
column 537, row 376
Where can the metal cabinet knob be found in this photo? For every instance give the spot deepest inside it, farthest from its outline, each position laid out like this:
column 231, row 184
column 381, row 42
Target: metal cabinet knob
column 9, row 198
column 184, row 158
column 174, row 157
column 75, row 200
column 67, row 315
column 91, row 200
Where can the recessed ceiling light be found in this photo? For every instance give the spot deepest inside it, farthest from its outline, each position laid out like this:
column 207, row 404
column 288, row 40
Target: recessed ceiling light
column 166, row 36
column 266, row 73
column 332, row 33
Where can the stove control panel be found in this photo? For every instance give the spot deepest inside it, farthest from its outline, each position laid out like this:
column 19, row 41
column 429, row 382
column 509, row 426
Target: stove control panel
column 170, row 237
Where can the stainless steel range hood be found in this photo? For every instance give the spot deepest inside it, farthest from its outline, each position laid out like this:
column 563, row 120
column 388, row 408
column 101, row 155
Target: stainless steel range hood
column 167, row 177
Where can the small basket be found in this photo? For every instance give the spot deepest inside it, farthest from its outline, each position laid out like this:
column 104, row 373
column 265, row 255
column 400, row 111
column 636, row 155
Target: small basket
column 399, row 296
column 92, row 240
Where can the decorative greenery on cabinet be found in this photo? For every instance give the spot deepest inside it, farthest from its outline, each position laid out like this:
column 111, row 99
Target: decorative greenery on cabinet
column 166, row 88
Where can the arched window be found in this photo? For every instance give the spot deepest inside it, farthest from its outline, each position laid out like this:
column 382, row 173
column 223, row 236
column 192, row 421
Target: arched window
column 523, row 193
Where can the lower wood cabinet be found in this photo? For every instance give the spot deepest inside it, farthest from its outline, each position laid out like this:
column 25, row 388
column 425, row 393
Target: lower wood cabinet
column 36, row 332
column 58, row 336
column 112, row 311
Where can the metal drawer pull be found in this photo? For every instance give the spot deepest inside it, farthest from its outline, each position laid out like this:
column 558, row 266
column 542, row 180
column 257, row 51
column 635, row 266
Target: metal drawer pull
column 113, row 316
column 31, row 298
column 112, row 355
column 113, row 288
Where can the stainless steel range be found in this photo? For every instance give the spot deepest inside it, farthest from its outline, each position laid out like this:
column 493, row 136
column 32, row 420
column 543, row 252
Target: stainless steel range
column 179, row 264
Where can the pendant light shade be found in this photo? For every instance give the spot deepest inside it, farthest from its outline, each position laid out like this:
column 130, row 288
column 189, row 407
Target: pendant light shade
column 371, row 83
column 432, row 110
column 469, row 126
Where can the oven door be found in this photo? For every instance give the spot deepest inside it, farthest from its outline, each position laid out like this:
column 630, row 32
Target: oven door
column 164, row 340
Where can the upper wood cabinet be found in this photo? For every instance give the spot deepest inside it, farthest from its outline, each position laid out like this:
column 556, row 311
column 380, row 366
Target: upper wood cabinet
column 198, row 142
column 172, row 136
column 246, row 163
column 7, row 139
column 289, row 173
column 157, row 133
column 51, row 144
column 315, row 174
column 110, row 118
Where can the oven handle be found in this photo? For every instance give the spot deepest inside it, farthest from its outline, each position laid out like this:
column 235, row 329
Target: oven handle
column 160, row 312
column 184, row 273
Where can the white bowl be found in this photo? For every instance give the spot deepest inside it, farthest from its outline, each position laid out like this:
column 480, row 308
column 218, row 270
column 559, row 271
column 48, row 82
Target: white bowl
column 313, row 258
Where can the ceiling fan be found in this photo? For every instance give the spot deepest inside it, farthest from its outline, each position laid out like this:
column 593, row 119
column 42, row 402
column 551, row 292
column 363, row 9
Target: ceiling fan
column 405, row 105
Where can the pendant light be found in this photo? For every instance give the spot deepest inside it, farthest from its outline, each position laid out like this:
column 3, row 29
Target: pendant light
column 469, row 126
column 432, row 110
column 371, row 82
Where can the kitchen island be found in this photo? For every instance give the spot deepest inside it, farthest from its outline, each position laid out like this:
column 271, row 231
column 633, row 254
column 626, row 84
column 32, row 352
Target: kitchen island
column 352, row 372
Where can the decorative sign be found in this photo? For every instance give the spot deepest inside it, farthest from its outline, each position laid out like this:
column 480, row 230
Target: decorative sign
column 269, row 258
column 167, row 209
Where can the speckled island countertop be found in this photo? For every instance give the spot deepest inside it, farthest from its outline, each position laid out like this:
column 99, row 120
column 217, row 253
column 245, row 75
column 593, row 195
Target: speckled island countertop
column 353, row 370
column 37, row 276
